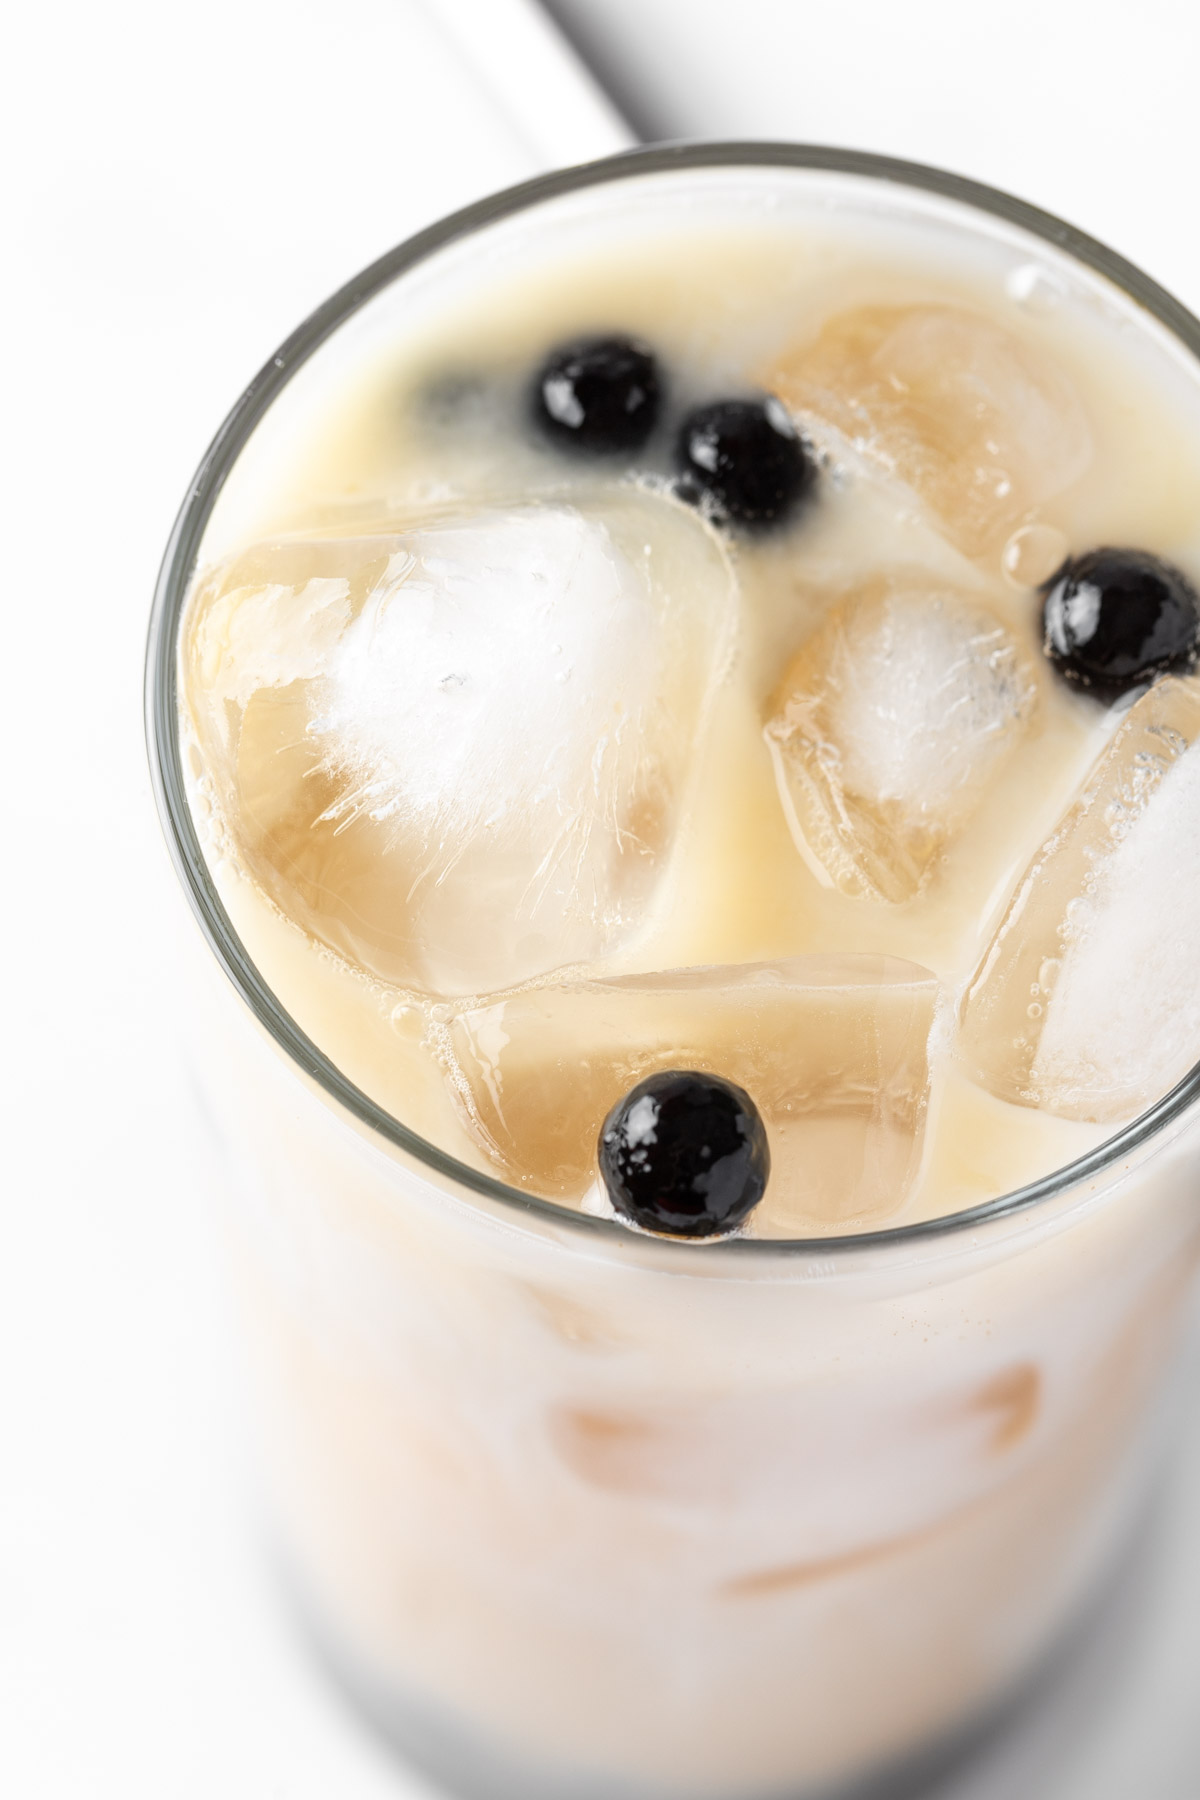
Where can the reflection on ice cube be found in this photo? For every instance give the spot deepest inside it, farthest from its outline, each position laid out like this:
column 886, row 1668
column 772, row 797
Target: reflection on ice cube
column 833, row 1049
column 887, row 728
column 980, row 425
column 1087, row 1001
column 456, row 755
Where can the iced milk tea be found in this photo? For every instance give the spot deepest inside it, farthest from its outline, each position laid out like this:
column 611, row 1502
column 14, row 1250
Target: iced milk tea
column 688, row 710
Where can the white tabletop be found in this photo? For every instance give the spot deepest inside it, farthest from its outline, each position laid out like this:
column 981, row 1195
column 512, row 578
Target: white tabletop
column 186, row 184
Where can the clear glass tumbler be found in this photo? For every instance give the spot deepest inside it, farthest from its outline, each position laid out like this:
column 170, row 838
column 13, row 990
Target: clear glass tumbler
column 583, row 1513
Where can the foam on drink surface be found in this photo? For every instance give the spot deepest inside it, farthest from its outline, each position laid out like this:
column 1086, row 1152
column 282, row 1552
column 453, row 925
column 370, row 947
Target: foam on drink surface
column 564, row 783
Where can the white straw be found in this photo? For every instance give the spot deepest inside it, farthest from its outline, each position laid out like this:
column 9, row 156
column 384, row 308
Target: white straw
column 533, row 76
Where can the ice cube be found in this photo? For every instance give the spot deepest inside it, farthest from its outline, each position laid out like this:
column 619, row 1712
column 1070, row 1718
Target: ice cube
column 979, row 423
column 1087, row 1001
column 457, row 755
column 887, row 728
column 833, row 1050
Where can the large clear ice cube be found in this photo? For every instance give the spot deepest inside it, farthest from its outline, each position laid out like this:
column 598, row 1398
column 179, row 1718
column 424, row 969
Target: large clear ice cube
column 833, row 1050
column 1087, row 1000
column 457, row 755
column 887, row 728
column 979, row 423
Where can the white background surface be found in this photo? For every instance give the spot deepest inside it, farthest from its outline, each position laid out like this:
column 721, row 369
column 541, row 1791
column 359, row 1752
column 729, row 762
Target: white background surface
column 183, row 185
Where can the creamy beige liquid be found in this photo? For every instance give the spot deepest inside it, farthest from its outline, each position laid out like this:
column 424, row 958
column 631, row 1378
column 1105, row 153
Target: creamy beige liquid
column 630, row 1517
column 898, row 369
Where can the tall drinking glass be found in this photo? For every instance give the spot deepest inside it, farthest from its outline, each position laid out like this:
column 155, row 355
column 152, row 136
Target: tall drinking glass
column 585, row 1512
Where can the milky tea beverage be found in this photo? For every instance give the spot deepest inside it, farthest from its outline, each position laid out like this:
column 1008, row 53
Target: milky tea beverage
column 687, row 701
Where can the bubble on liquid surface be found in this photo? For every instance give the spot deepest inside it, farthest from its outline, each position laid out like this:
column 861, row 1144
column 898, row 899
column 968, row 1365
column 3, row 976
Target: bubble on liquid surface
column 1033, row 554
column 1035, row 287
column 1104, row 931
column 456, row 755
column 981, row 425
column 832, row 1049
column 887, row 729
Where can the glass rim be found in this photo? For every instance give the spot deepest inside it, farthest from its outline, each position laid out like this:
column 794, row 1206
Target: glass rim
column 179, row 560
